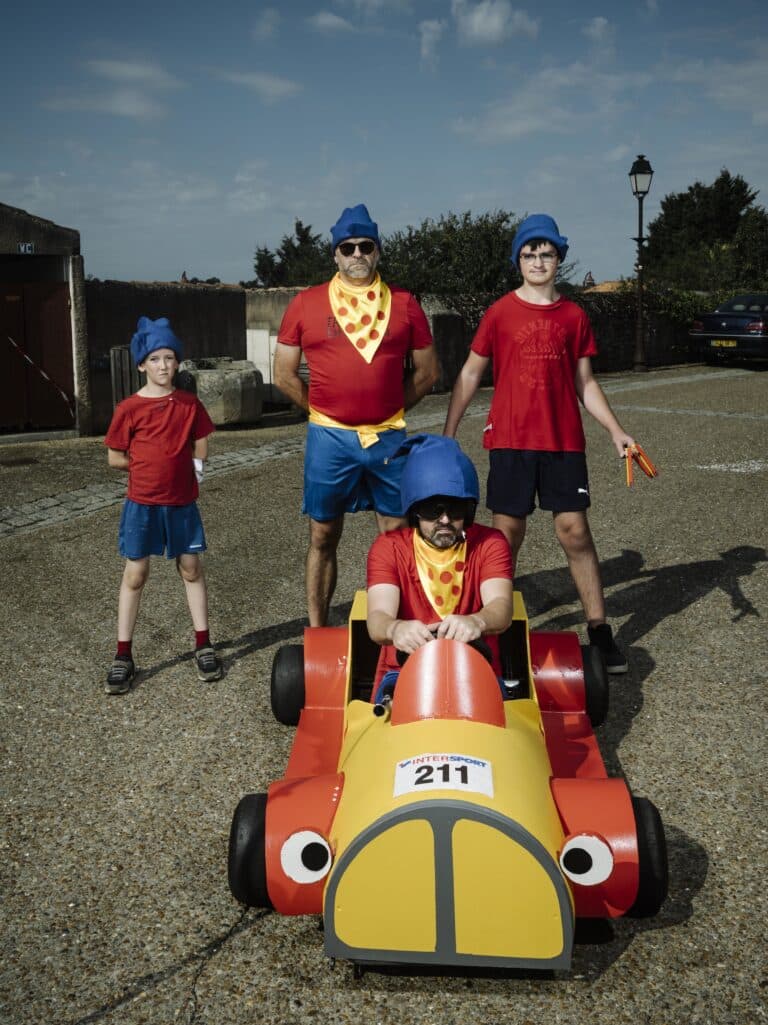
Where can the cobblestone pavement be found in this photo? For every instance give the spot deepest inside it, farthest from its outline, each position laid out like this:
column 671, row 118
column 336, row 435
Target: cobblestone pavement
column 116, row 810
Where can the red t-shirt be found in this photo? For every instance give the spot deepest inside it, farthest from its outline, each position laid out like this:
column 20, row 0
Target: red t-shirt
column 534, row 350
column 341, row 384
column 391, row 561
column 158, row 434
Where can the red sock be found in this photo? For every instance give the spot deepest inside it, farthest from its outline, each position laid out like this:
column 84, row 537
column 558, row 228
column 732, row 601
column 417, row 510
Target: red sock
column 124, row 648
column 202, row 638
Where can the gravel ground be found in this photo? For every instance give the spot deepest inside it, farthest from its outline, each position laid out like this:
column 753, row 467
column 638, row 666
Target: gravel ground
column 117, row 810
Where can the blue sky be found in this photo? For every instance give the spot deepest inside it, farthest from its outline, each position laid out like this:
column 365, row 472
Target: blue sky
column 179, row 137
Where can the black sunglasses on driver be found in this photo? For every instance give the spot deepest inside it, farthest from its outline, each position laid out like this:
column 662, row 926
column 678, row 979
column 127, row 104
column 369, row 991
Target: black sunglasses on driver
column 366, row 247
column 436, row 508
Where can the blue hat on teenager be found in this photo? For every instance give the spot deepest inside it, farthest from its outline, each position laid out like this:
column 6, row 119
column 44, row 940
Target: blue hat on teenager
column 355, row 222
column 151, row 335
column 436, row 466
column 538, row 226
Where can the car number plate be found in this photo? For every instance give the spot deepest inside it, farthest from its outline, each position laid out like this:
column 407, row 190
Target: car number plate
column 443, row 771
column 723, row 343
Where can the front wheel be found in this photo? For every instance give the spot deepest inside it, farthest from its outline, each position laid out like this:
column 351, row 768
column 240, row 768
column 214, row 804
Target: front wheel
column 653, row 884
column 247, row 866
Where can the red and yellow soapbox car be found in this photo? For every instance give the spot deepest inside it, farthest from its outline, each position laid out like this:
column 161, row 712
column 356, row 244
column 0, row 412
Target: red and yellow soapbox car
column 446, row 825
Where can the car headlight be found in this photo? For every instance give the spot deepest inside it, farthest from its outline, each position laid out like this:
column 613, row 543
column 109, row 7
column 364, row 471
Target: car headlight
column 586, row 859
column 305, row 857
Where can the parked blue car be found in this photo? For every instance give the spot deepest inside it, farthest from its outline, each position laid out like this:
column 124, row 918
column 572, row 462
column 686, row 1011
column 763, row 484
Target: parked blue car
column 738, row 327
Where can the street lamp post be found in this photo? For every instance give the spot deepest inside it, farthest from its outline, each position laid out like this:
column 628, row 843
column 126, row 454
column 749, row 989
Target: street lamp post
column 640, row 176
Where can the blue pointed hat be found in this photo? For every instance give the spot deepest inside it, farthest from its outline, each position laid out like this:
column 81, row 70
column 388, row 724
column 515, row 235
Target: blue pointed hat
column 151, row 335
column 538, row 226
column 355, row 222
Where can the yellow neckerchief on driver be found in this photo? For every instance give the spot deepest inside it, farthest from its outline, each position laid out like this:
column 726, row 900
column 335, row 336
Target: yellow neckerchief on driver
column 367, row 434
column 362, row 312
column 441, row 572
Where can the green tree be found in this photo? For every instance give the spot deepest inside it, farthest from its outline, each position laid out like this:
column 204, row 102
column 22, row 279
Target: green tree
column 300, row 259
column 702, row 236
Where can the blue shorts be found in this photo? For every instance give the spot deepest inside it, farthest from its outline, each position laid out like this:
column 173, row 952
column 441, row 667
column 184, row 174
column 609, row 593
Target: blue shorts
column 341, row 476
column 151, row 529
column 517, row 476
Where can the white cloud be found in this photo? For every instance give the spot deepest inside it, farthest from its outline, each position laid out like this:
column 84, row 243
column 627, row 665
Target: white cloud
column 598, row 30
column 431, row 33
column 621, row 152
column 266, row 23
column 326, row 21
column 491, row 22
column 269, row 88
column 740, row 86
column 132, row 85
column 147, row 76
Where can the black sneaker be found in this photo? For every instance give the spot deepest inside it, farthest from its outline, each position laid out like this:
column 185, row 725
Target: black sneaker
column 120, row 674
column 602, row 637
column 208, row 665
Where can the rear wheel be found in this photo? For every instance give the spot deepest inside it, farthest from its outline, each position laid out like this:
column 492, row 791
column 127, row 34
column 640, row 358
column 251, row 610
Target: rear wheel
column 595, row 684
column 247, row 867
column 652, row 851
column 287, row 688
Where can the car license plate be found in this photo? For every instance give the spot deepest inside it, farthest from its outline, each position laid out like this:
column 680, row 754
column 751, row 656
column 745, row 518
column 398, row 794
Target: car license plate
column 723, row 343
column 443, row 771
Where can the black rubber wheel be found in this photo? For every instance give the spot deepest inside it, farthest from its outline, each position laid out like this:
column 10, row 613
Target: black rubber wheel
column 595, row 684
column 247, row 866
column 287, row 687
column 652, row 849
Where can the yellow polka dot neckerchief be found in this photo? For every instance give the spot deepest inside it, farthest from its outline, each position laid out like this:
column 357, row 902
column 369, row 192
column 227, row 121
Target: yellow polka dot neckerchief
column 362, row 312
column 441, row 573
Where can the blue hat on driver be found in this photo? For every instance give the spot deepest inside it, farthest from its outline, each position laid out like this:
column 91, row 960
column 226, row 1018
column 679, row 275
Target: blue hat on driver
column 151, row 335
column 436, row 466
column 538, row 226
column 355, row 222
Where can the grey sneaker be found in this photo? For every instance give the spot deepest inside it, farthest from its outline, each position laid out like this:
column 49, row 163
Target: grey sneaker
column 602, row 637
column 208, row 665
column 119, row 677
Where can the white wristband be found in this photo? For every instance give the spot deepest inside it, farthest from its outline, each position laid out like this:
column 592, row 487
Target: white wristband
column 198, row 468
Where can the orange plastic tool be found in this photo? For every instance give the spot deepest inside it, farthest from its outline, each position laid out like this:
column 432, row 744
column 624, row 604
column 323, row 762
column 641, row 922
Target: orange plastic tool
column 635, row 454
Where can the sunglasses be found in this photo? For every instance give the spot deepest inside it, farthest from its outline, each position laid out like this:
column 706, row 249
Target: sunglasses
column 366, row 247
column 453, row 508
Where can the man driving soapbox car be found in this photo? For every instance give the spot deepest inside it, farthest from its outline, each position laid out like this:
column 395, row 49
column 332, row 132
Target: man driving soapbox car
column 446, row 826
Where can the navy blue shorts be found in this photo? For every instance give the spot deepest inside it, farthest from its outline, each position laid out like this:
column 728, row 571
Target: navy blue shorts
column 341, row 476
column 154, row 529
column 518, row 476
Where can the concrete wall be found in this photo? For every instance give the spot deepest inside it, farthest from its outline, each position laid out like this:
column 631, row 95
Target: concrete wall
column 209, row 320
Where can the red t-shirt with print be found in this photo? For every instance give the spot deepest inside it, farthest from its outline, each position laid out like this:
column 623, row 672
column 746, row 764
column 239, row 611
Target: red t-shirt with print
column 391, row 560
column 534, row 350
column 158, row 433
column 341, row 383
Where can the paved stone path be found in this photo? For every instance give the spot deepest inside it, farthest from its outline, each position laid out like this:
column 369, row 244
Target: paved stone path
column 46, row 512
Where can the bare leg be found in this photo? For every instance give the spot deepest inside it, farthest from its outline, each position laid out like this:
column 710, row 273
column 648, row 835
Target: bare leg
column 135, row 576
column 190, row 568
column 322, row 568
column 573, row 533
column 513, row 529
column 386, row 523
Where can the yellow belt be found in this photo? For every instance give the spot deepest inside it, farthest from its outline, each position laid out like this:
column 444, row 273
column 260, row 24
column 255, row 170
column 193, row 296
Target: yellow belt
column 368, row 434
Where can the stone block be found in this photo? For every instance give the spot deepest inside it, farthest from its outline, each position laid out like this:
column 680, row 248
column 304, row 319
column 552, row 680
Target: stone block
column 231, row 390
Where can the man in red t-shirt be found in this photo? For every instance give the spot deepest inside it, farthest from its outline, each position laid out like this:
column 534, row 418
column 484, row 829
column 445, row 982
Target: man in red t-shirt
column 160, row 437
column 444, row 575
column 540, row 345
column 356, row 333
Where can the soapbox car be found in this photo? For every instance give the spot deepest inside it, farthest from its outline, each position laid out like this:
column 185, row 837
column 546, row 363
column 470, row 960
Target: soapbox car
column 446, row 825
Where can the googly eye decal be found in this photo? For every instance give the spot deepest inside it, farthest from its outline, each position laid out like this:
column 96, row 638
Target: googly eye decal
column 305, row 857
column 586, row 859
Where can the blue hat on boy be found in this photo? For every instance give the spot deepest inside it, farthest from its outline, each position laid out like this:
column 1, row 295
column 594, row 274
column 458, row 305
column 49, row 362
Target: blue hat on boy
column 355, row 222
column 538, row 226
column 151, row 335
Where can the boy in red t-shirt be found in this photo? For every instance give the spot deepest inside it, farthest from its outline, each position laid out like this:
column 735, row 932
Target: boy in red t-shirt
column 160, row 436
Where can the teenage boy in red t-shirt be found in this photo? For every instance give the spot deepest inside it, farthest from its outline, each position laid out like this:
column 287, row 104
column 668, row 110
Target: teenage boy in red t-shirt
column 541, row 345
column 160, row 436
